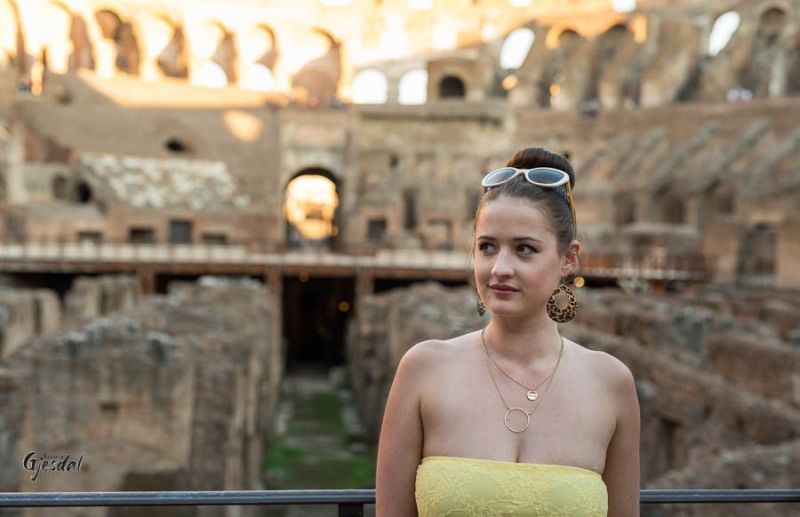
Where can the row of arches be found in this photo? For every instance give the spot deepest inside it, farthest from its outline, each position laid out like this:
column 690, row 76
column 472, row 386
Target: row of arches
column 151, row 46
column 154, row 45
column 613, row 65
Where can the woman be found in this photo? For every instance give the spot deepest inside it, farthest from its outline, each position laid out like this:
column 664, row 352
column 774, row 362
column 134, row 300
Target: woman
column 514, row 419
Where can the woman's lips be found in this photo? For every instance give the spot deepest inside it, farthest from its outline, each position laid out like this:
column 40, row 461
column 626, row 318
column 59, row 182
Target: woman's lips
column 502, row 289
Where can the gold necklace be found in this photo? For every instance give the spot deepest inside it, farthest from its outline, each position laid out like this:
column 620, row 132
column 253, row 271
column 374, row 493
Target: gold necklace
column 532, row 393
column 516, row 409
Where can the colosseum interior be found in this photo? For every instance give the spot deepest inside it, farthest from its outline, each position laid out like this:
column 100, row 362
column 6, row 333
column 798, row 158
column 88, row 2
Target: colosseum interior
column 199, row 198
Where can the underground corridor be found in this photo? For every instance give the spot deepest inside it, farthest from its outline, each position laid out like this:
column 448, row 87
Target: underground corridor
column 316, row 311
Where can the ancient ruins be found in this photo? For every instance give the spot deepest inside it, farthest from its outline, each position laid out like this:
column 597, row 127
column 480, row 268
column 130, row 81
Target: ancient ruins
column 314, row 162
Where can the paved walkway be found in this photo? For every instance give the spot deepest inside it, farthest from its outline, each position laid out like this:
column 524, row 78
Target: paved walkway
column 318, row 442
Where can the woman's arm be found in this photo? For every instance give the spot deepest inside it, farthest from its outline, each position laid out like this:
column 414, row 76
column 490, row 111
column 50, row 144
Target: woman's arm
column 621, row 472
column 400, row 443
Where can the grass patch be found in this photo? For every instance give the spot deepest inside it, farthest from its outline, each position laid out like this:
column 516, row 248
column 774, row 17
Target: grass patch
column 328, row 409
column 281, row 459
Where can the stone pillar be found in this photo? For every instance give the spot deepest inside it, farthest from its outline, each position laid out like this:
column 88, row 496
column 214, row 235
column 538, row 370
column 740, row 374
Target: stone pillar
column 273, row 277
column 147, row 281
column 778, row 76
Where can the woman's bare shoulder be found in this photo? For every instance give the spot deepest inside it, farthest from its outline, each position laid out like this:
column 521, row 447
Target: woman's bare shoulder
column 433, row 352
column 608, row 369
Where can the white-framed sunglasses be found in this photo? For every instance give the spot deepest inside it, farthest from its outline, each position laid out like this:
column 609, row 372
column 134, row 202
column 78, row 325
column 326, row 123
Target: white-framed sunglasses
column 545, row 177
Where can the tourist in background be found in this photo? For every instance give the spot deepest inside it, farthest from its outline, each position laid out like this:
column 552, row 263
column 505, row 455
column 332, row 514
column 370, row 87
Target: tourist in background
column 514, row 419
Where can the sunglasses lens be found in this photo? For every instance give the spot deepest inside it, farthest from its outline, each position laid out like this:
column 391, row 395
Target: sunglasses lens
column 545, row 176
column 499, row 176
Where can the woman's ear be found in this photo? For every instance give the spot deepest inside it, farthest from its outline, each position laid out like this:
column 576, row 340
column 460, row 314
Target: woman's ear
column 571, row 260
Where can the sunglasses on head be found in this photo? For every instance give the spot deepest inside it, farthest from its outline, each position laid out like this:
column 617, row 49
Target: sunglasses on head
column 545, row 177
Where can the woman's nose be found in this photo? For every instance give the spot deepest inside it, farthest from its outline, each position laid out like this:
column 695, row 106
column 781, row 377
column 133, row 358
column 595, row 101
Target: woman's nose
column 502, row 265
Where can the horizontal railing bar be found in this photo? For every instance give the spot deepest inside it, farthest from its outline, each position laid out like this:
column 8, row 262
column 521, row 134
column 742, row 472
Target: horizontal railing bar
column 757, row 495
column 186, row 498
column 358, row 497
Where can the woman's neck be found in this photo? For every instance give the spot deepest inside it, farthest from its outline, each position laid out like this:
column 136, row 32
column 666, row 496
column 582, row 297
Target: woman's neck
column 524, row 343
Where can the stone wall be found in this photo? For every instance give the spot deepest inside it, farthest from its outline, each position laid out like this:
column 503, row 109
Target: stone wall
column 91, row 297
column 392, row 322
column 24, row 315
column 755, row 467
column 176, row 393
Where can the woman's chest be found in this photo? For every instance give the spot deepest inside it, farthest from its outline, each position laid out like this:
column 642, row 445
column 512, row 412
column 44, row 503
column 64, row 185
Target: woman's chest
column 570, row 423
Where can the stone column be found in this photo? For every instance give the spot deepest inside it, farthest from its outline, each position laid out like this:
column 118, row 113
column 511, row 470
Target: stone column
column 146, row 277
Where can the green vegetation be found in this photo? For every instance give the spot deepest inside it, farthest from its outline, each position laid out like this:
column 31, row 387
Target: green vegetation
column 313, row 453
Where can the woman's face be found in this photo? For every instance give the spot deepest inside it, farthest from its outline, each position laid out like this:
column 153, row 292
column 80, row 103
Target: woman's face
column 517, row 260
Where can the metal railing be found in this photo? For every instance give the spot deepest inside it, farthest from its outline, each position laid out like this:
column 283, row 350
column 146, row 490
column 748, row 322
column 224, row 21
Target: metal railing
column 350, row 502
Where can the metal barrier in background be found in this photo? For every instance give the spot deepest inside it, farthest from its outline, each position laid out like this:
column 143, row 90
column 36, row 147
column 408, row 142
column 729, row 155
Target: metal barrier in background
column 350, row 502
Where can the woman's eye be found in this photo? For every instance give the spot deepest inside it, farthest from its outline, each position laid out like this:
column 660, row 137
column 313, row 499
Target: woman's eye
column 485, row 247
column 525, row 249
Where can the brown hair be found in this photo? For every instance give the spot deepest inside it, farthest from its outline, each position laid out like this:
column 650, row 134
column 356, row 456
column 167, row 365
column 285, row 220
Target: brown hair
column 554, row 202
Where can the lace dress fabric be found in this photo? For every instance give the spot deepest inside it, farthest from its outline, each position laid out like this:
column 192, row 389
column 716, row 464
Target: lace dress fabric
column 466, row 487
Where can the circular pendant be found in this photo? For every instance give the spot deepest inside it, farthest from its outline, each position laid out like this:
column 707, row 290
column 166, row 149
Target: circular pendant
column 532, row 395
column 518, row 428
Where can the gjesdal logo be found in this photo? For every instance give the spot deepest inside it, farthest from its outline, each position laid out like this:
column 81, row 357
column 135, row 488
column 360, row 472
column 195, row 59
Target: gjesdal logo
column 37, row 463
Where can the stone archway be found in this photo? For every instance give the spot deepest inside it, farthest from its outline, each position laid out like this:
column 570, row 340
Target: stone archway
column 311, row 209
column 452, row 87
column 258, row 53
column 757, row 75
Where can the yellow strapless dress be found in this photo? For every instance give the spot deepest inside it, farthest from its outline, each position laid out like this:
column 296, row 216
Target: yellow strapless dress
column 466, row 487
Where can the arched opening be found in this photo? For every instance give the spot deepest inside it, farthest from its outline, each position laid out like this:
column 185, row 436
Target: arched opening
column 552, row 80
column 723, row 30
column 259, row 50
column 624, row 6
column 10, row 51
column 214, row 46
column 413, row 87
column 212, row 75
column 126, row 57
column 318, row 78
column 757, row 74
column 177, row 145
column 257, row 77
column 225, row 57
column 608, row 45
column 83, row 192
column 452, row 87
column 311, row 210
column 515, row 48
column 370, row 87
column 56, row 44
column 758, row 255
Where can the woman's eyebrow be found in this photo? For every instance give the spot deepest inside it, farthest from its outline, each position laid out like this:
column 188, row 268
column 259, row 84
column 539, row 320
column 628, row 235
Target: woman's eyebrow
column 534, row 239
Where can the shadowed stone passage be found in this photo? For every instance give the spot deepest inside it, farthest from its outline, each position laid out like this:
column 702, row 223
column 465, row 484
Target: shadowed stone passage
column 318, row 442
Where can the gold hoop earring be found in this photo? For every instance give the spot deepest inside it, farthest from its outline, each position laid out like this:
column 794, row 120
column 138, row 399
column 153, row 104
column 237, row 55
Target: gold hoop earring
column 481, row 307
column 558, row 314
